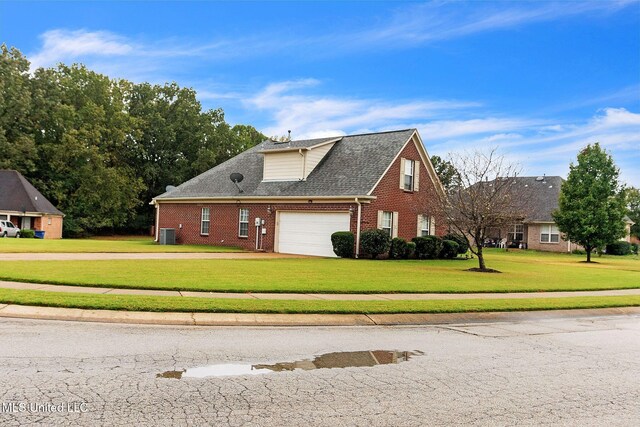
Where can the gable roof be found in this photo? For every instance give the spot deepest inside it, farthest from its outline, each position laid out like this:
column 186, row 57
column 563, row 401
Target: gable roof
column 351, row 168
column 542, row 195
column 18, row 195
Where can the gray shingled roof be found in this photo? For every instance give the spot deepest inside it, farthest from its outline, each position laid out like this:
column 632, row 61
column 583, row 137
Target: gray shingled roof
column 542, row 195
column 17, row 194
column 301, row 143
column 351, row 168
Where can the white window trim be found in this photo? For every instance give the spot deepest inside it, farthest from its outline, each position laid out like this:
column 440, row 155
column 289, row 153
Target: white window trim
column 425, row 220
column 382, row 224
column 240, row 222
column 514, row 231
column 549, row 232
column 203, row 221
column 412, row 164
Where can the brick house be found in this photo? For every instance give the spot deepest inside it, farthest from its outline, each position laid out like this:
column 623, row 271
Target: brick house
column 23, row 205
column 537, row 230
column 295, row 194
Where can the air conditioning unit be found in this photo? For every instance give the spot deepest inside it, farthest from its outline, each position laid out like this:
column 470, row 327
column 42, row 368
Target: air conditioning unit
column 167, row 236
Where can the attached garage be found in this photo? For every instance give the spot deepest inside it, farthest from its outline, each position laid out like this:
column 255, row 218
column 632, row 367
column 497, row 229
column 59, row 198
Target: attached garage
column 309, row 233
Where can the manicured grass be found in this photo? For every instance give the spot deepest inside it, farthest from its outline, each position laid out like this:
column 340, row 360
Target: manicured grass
column 180, row 304
column 102, row 245
column 522, row 272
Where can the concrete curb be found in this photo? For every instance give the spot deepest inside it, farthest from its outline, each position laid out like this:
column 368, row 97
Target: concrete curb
column 249, row 319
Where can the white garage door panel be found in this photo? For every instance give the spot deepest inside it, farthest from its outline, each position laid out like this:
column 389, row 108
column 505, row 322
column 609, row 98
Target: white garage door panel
column 309, row 233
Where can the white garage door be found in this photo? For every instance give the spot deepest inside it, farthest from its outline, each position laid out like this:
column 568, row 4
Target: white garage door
column 309, row 233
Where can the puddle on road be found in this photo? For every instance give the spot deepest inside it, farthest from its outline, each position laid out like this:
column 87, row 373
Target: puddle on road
column 324, row 361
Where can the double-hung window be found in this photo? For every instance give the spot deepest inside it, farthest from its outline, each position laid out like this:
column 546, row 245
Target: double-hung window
column 409, row 167
column 204, row 222
column 243, row 225
column 425, row 229
column 549, row 233
column 387, row 222
column 517, row 233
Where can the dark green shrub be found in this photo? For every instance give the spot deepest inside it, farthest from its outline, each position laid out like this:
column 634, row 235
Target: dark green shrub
column 427, row 247
column 619, row 248
column 449, row 249
column 634, row 248
column 398, row 249
column 375, row 242
column 27, row 234
column 411, row 249
column 463, row 245
column 343, row 243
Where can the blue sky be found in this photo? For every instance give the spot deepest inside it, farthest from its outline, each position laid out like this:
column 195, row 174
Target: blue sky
column 538, row 80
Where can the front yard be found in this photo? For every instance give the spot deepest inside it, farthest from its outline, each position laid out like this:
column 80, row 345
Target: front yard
column 102, row 245
column 522, row 272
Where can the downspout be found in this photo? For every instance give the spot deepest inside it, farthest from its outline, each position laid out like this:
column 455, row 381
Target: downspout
column 157, row 206
column 358, row 227
column 304, row 164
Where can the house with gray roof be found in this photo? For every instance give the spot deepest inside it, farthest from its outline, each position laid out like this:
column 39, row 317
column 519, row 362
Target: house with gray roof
column 23, row 205
column 290, row 196
column 537, row 230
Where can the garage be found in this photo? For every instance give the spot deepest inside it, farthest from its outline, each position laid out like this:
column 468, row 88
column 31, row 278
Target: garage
column 309, row 233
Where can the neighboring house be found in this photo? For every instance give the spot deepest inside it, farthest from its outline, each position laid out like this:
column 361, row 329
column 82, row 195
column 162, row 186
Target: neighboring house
column 295, row 194
column 538, row 230
column 26, row 208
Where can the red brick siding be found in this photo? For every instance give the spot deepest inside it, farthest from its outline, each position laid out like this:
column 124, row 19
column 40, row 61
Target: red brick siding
column 408, row 204
column 223, row 226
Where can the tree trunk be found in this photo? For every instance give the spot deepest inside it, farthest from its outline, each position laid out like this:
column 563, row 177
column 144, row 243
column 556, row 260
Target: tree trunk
column 588, row 249
column 481, row 263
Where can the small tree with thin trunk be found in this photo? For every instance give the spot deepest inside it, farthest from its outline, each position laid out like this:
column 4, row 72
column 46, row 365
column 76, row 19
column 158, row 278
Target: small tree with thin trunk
column 484, row 199
column 592, row 201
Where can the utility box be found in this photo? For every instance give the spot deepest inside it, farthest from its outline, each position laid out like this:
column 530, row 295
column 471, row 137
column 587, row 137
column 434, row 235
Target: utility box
column 167, row 236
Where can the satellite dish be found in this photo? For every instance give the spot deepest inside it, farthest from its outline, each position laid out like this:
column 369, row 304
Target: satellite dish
column 169, row 188
column 236, row 178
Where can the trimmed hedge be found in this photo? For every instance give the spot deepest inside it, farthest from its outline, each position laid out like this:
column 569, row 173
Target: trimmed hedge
column 449, row 249
column 463, row 245
column 619, row 248
column 375, row 242
column 399, row 249
column 427, row 247
column 411, row 249
column 27, row 234
column 634, row 248
column 343, row 243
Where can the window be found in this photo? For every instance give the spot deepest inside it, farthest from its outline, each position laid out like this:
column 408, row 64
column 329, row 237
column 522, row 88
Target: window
column 516, row 234
column 408, row 174
column 424, row 225
column 243, row 227
column 549, row 234
column 204, row 222
column 387, row 222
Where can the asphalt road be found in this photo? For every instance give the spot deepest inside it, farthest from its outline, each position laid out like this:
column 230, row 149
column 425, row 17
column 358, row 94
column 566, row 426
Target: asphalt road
column 535, row 372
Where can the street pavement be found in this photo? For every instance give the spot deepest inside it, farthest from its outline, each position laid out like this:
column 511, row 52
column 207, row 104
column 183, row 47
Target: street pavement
column 535, row 371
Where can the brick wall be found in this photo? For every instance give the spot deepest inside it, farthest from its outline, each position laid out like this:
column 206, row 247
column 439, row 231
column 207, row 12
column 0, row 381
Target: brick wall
column 533, row 241
column 223, row 228
column 51, row 231
column 408, row 204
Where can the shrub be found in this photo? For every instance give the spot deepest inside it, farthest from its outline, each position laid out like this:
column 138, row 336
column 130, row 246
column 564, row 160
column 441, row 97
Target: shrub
column 463, row 245
column 449, row 249
column 27, row 234
column 427, row 247
column 375, row 242
column 619, row 248
column 343, row 243
column 398, row 249
column 634, row 248
column 411, row 249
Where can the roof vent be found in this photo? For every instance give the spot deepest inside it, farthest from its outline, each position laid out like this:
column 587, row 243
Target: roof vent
column 540, row 178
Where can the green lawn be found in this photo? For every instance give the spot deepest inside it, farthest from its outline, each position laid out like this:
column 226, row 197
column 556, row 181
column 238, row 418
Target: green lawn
column 181, row 304
column 114, row 245
column 522, row 272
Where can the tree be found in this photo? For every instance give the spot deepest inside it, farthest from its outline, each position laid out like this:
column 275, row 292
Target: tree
column 592, row 201
column 446, row 172
column 484, row 198
column 633, row 206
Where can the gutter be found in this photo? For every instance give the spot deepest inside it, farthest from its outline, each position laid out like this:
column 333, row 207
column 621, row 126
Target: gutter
column 358, row 227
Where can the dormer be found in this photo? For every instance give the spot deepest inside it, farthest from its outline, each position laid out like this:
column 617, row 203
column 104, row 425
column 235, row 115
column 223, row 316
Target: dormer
column 294, row 160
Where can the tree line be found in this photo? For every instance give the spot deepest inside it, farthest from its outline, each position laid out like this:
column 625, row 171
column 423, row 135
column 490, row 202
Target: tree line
column 101, row 148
